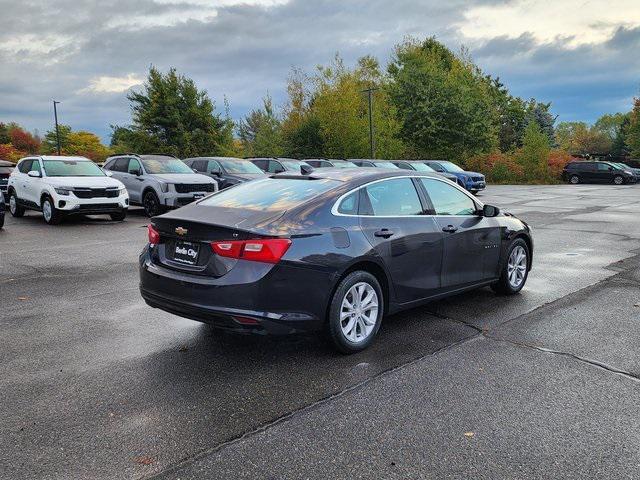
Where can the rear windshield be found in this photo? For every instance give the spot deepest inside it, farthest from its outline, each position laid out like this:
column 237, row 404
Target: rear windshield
column 269, row 194
column 72, row 168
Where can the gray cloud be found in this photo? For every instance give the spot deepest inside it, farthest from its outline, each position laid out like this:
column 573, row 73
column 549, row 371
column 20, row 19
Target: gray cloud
column 247, row 50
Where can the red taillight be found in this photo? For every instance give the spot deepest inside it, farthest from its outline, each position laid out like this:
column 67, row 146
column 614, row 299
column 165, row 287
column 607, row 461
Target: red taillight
column 268, row 250
column 154, row 235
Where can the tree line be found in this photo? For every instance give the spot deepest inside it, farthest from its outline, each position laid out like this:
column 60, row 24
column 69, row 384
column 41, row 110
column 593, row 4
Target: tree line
column 428, row 102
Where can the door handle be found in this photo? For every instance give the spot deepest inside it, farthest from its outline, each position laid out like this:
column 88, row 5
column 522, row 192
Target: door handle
column 384, row 233
column 450, row 229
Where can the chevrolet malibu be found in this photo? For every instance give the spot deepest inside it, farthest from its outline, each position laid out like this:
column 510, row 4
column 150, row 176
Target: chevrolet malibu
column 334, row 250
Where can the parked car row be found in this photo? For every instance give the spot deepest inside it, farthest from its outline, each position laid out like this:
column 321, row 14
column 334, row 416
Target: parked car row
column 63, row 186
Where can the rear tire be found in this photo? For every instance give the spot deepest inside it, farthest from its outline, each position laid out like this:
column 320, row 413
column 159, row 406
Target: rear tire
column 574, row 179
column 1, row 220
column 51, row 214
column 515, row 269
column 118, row 217
column 14, row 207
column 355, row 312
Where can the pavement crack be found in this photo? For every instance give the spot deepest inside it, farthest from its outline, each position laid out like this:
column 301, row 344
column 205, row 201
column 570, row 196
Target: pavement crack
column 588, row 361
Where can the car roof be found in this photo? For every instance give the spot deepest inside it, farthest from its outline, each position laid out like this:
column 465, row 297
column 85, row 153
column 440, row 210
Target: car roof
column 235, row 159
column 60, row 157
column 6, row 163
column 365, row 174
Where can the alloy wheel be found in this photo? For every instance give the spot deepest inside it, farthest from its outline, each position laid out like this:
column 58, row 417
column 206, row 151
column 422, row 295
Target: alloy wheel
column 47, row 210
column 150, row 205
column 574, row 179
column 618, row 180
column 517, row 266
column 359, row 312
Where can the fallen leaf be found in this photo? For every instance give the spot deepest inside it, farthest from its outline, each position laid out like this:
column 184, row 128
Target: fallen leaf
column 183, row 348
column 637, row 305
column 23, row 298
column 468, row 434
column 144, row 460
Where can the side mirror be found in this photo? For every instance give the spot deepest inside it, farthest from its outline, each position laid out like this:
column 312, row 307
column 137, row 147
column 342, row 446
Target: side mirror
column 217, row 173
column 137, row 173
column 108, row 173
column 195, row 170
column 490, row 211
column 34, row 174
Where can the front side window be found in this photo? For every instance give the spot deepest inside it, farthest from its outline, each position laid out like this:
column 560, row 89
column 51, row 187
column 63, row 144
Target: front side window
column 451, row 167
column 269, row 194
column 388, row 165
column 165, row 165
column 35, row 166
column 134, row 166
column 604, row 167
column 421, row 167
column 72, row 168
column 448, row 200
column 275, row 167
column 393, row 198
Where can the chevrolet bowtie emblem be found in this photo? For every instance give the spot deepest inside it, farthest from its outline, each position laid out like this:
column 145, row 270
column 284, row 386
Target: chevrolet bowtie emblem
column 181, row 231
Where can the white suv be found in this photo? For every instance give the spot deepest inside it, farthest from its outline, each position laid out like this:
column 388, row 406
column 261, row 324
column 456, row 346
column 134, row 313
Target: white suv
column 59, row 186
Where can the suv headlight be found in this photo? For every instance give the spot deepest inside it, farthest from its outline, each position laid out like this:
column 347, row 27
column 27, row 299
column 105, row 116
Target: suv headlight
column 164, row 187
column 63, row 190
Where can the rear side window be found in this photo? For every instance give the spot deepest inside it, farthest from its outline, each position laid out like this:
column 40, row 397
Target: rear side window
column 261, row 164
column 25, row 166
column 269, row 194
column 120, row 165
column 393, row 198
column 448, row 200
column 349, row 204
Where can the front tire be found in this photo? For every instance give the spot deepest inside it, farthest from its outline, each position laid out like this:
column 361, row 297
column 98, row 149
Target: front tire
column 355, row 313
column 50, row 213
column 14, row 207
column 151, row 204
column 574, row 179
column 515, row 269
column 618, row 180
column 119, row 216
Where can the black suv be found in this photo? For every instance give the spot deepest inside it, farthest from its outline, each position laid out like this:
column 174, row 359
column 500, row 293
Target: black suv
column 597, row 172
column 5, row 170
column 226, row 171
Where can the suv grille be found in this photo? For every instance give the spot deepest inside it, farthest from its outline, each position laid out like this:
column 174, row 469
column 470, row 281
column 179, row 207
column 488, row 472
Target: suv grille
column 195, row 187
column 96, row 192
column 99, row 207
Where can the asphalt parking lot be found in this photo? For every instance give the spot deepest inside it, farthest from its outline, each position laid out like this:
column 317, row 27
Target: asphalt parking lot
column 95, row 384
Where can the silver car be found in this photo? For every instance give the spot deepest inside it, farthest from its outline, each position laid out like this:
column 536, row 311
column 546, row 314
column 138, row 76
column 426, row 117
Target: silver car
column 158, row 182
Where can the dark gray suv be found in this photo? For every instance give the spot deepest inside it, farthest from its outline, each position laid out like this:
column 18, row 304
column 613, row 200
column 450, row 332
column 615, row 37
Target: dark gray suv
column 158, row 182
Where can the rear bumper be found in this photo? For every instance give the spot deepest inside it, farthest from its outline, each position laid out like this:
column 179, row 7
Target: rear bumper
column 277, row 300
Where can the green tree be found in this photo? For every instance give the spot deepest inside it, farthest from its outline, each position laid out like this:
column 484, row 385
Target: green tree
column 578, row 138
column 533, row 157
column 443, row 102
column 541, row 114
column 171, row 115
column 633, row 131
column 50, row 143
column 260, row 131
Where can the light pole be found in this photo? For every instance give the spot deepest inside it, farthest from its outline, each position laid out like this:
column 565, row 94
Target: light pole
column 55, row 114
column 369, row 92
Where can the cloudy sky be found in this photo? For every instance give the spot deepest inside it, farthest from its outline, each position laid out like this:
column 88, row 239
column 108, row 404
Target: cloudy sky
column 581, row 55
